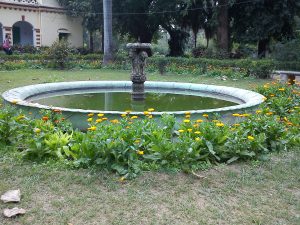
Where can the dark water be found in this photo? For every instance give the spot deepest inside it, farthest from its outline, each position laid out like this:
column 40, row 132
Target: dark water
column 121, row 101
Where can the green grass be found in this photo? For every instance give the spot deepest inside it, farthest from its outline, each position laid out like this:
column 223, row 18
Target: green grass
column 10, row 79
column 245, row 193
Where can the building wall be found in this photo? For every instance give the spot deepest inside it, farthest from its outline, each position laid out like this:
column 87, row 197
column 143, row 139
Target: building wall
column 51, row 24
column 46, row 21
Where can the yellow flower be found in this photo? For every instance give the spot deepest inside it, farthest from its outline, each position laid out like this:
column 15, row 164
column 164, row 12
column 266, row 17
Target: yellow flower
column 187, row 113
column 269, row 113
column 196, row 125
column 197, row 139
column 246, row 115
column 98, row 120
column 15, row 101
column 146, row 113
column 186, row 121
column 114, row 121
column 150, row 109
column 104, row 118
column 289, row 123
column 90, row 119
column 220, row 124
column 140, row 152
column 236, row 124
column 199, row 121
column 296, row 107
column 100, row 115
column 197, row 132
column 128, row 111
column 205, row 115
column 272, row 95
column 236, row 114
column 266, row 86
column 122, row 179
column 90, row 115
column 180, row 131
column 37, row 130
column 258, row 111
column 250, row 138
column 123, row 115
column 134, row 117
column 150, row 116
column 264, row 98
column 189, row 130
column 187, row 116
column 93, row 128
column 281, row 89
column 127, row 127
column 137, row 141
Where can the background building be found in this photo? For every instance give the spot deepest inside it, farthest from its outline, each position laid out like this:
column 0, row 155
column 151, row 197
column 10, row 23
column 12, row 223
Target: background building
column 38, row 23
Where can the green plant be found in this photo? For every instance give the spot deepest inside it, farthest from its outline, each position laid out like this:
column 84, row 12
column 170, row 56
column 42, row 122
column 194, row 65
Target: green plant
column 58, row 54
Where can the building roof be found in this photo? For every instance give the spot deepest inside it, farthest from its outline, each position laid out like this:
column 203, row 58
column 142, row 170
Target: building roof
column 40, row 3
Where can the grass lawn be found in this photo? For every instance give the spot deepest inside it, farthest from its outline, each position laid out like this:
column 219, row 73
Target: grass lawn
column 244, row 193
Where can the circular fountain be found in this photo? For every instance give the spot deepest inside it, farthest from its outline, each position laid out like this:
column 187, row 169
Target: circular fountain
column 190, row 97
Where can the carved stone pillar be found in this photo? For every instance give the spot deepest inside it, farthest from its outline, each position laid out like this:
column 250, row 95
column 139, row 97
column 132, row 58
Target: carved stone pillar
column 138, row 57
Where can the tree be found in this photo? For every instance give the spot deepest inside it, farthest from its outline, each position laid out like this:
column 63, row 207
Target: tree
column 90, row 11
column 108, row 41
column 261, row 21
column 223, row 25
column 134, row 18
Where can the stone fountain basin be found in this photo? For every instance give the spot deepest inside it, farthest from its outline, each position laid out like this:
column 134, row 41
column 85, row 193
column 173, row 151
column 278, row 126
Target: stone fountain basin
column 247, row 100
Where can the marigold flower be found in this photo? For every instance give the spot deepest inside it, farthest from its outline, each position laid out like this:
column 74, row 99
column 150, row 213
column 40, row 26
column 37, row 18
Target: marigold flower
column 100, row 115
column 89, row 119
column 146, row 113
column 246, row 115
column 269, row 113
column 186, row 121
column 134, row 117
column 199, row 121
column 15, row 101
column 57, row 110
column 114, row 121
column 220, row 124
column 180, row 131
column 45, row 118
column 104, row 118
column 205, row 115
column 123, row 115
column 251, row 138
column 90, row 115
column 140, row 152
column 99, row 120
column 92, row 128
column 236, row 114
column 151, row 109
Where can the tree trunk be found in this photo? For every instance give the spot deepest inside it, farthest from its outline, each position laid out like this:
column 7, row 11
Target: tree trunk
column 195, row 39
column 262, row 48
column 91, row 41
column 108, row 45
column 223, row 26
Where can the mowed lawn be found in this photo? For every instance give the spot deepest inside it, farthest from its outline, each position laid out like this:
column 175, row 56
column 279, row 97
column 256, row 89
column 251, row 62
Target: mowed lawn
column 250, row 192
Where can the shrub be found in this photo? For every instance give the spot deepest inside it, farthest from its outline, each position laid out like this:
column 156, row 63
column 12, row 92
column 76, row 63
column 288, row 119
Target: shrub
column 59, row 54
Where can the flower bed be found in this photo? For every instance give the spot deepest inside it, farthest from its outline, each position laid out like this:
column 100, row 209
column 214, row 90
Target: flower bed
column 129, row 145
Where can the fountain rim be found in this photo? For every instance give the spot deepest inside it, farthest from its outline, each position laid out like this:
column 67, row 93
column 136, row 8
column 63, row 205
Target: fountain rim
column 19, row 95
